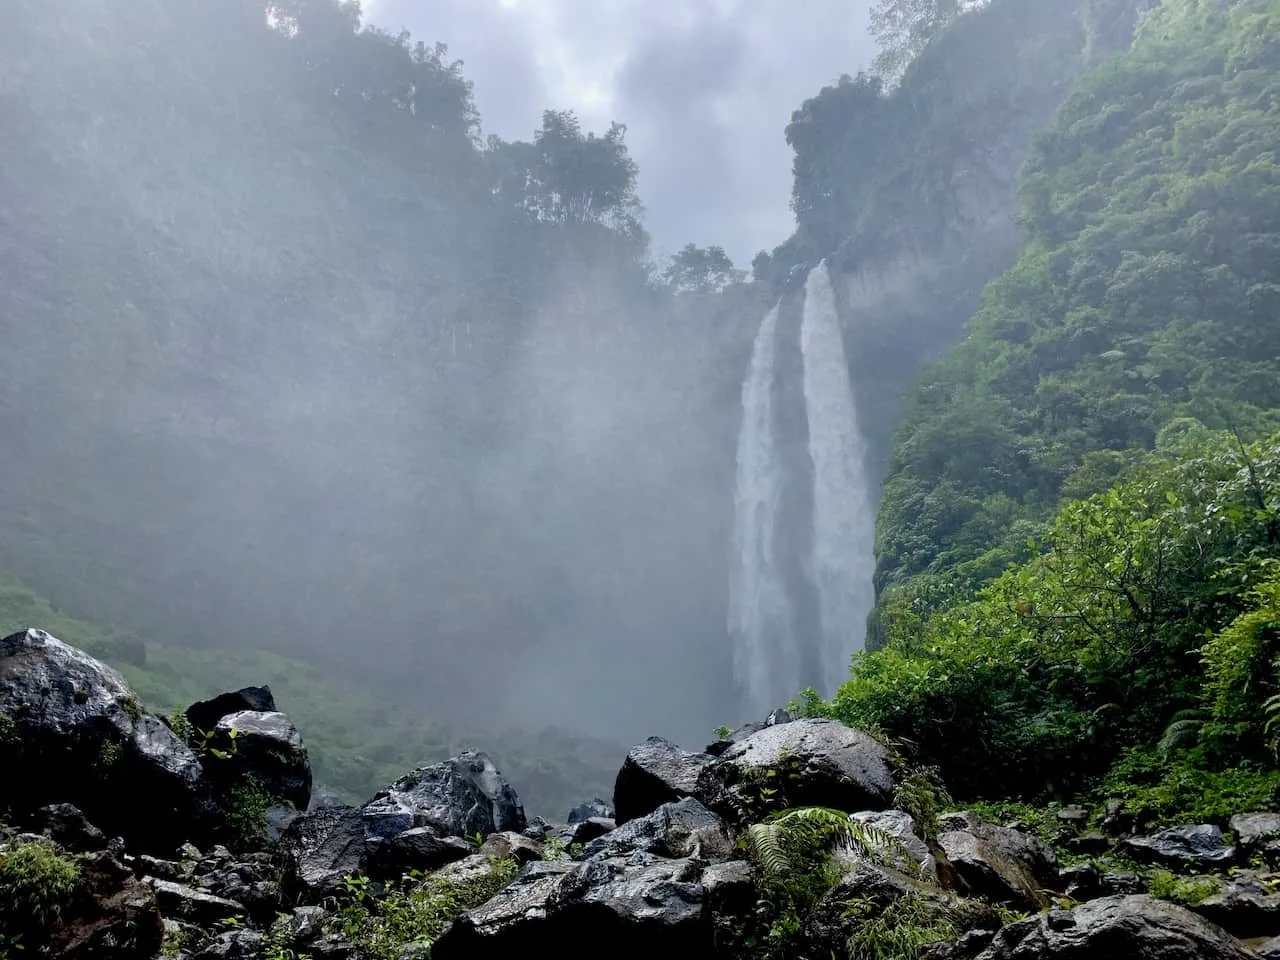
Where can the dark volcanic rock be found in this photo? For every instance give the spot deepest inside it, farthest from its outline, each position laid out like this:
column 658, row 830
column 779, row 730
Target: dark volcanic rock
column 810, row 762
column 77, row 734
column 596, row 809
column 655, row 772
column 1256, row 831
column 998, row 863
column 267, row 747
column 232, row 945
column 462, row 796
column 1242, row 912
column 587, row 830
column 651, row 906
column 1201, row 845
column 180, row 902
column 514, row 845
column 677, row 830
column 320, row 848
column 418, row 849
column 205, row 714
column 1116, row 928
column 70, row 829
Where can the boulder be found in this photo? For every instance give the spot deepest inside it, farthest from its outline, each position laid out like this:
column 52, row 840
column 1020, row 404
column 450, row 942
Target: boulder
column 1116, row 928
column 775, row 717
column 232, row 945
column 655, row 772
column 1256, row 832
column 998, row 863
column 1242, row 912
column 571, row 911
column 118, row 918
column 585, row 831
column 319, row 849
column 1198, row 846
column 253, row 885
column 675, row 830
column 420, row 848
column 190, row 905
column 461, row 797
column 205, row 714
column 1269, row 950
column 70, row 829
column 806, row 762
column 78, row 735
column 913, row 857
column 516, row 846
column 597, row 808
column 266, row 747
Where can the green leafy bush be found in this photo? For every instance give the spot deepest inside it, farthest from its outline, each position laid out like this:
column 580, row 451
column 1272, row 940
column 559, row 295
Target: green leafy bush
column 37, row 886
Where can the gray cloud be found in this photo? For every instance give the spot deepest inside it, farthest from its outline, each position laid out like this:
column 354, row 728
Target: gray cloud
column 705, row 88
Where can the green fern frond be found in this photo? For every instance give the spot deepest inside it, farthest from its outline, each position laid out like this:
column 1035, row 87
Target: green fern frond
column 1180, row 733
column 771, row 842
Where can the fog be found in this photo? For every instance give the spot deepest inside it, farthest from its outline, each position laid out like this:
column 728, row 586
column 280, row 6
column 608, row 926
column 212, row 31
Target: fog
column 276, row 379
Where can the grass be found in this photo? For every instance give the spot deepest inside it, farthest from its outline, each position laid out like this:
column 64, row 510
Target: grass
column 37, row 885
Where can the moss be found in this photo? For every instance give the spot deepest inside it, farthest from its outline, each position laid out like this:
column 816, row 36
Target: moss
column 38, row 884
column 132, row 709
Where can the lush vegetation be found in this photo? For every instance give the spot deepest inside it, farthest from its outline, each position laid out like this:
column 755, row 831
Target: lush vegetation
column 1146, row 293
column 37, row 886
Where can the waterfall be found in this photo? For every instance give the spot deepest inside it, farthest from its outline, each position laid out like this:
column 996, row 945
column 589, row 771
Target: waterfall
column 764, row 660
column 843, row 514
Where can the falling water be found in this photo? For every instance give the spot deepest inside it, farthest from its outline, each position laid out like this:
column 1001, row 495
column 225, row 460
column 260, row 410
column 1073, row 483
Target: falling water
column 843, row 519
column 764, row 661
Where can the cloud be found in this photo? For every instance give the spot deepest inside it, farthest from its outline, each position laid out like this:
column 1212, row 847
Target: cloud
column 705, row 88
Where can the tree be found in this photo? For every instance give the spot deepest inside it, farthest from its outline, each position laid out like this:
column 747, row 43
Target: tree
column 701, row 270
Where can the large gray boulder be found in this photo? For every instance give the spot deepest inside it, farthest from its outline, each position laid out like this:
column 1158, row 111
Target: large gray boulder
column 1116, row 928
column 266, row 747
column 1200, row 845
column 204, row 715
column 675, row 830
column 645, row 905
column 998, row 863
column 72, row 731
column 655, row 772
column 803, row 763
column 461, row 797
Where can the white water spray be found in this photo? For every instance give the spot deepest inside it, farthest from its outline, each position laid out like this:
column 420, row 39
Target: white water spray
column 843, row 515
column 765, row 663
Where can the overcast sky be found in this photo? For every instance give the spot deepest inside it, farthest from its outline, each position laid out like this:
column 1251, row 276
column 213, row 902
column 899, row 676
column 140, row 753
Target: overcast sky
column 705, row 88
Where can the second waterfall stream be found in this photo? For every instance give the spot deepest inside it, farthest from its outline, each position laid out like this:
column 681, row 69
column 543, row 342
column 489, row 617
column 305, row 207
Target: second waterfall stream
column 768, row 656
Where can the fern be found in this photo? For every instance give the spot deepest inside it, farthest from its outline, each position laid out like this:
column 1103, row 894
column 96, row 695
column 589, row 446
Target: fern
column 1184, row 731
column 771, row 842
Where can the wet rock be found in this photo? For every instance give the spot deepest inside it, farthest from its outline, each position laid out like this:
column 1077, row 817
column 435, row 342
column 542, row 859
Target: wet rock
column 1270, row 950
column 1089, row 843
column 320, row 848
column 587, row 830
column 539, row 828
column 232, row 945
column 461, row 797
column 1081, row 882
column 1242, row 912
column 653, row 906
column 513, row 845
column 323, row 798
column 1201, row 845
column 1116, row 928
column 190, row 905
column 1074, row 816
column 655, row 772
column 70, row 829
column 914, row 856
column 162, row 869
column 1256, row 831
column 205, row 714
column 80, row 736
column 1122, row 884
column 675, row 830
column 418, row 849
column 808, row 762
column 268, row 748
column 998, row 863
column 250, row 884
column 730, row 886
column 597, row 808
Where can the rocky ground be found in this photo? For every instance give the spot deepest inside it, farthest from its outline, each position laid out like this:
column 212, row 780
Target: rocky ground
column 201, row 836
